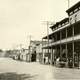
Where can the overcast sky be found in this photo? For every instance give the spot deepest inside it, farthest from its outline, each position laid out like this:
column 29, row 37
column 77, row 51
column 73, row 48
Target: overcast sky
column 21, row 18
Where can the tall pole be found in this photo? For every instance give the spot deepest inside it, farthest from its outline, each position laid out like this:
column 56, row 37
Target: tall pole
column 48, row 38
column 48, row 23
column 30, row 48
column 68, row 3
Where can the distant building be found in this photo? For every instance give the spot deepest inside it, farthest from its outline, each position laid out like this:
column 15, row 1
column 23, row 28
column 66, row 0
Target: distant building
column 35, row 50
column 15, row 54
column 64, row 42
column 24, row 55
column 39, row 51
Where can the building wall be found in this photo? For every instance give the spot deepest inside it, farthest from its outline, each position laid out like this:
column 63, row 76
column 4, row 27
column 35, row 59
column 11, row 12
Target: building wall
column 75, row 16
column 39, row 52
column 23, row 54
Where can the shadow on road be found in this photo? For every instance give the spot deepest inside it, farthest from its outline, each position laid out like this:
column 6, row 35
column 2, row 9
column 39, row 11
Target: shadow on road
column 15, row 76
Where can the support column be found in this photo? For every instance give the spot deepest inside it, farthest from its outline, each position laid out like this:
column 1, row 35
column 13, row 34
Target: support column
column 73, row 44
column 60, row 51
column 73, row 53
column 66, row 49
column 55, row 56
column 60, row 43
column 42, row 53
column 66, row 56
column 51, row 56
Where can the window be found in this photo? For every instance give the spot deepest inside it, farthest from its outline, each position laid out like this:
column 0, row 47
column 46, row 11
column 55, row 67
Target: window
column 70, row 20
column 62, row 24
column 58, row 35
column 71, row 13
column 77, row 29
column 75, row 17
column 75, row 10
column 63, row 34
column 69, row 31
column 59, row 25
column 67, row 22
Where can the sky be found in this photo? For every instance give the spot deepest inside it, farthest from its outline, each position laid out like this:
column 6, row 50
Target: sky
column 21, row 18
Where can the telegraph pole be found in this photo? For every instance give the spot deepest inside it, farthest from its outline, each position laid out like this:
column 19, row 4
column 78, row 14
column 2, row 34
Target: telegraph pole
column 30, row 47
column 68, row 3
column 48, row 23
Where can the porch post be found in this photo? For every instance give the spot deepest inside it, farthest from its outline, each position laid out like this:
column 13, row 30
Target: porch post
column 51, row 56
column 73, row 54
column 60, row 43
column 42, row 53
column 73, row 44
column 66, row 48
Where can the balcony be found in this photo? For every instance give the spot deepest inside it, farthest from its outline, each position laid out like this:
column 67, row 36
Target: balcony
column 60, row 28
column 75, row 38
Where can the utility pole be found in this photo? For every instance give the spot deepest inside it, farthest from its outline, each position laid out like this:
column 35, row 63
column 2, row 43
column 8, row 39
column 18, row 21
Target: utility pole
column 48, row 23
column 29, row 48
column 68, row 3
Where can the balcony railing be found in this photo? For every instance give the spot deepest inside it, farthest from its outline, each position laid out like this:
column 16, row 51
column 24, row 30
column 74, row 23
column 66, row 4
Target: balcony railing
column 59, row 28
column 51, row 43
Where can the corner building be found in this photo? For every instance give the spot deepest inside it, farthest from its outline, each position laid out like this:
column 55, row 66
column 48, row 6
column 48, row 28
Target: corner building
column 64, row 41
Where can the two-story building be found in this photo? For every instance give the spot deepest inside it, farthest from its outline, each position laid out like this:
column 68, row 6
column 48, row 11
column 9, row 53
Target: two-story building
column 64, row 42
column 39, row 51
column 24, row 55
column 32, row 50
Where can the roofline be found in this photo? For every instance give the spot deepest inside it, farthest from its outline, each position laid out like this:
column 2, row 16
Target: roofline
column 60, row 22
column 46, row 36
column 73, row 7
column 61, row 29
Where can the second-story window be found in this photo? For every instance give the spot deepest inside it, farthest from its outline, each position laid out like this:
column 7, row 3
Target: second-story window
column 69, row 31
column 75, row 10
column 59, row 25
column 70, row 20
column 58, row 35
column 75, row 17
column 63, row 24
column 77, row 29
column 67, row 22
column 63, row 34
column 70, row 13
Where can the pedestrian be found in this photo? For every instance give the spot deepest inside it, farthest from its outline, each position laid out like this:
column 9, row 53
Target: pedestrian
column 44, row 60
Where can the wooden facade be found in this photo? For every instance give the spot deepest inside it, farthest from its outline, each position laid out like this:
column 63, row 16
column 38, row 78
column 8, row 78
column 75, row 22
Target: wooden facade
column 65, row 38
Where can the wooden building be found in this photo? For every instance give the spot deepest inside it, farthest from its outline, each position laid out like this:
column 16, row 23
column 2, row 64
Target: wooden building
column 64, row 42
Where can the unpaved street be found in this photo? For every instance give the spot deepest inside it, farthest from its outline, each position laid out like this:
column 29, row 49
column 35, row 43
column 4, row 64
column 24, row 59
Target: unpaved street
column 17, row 70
